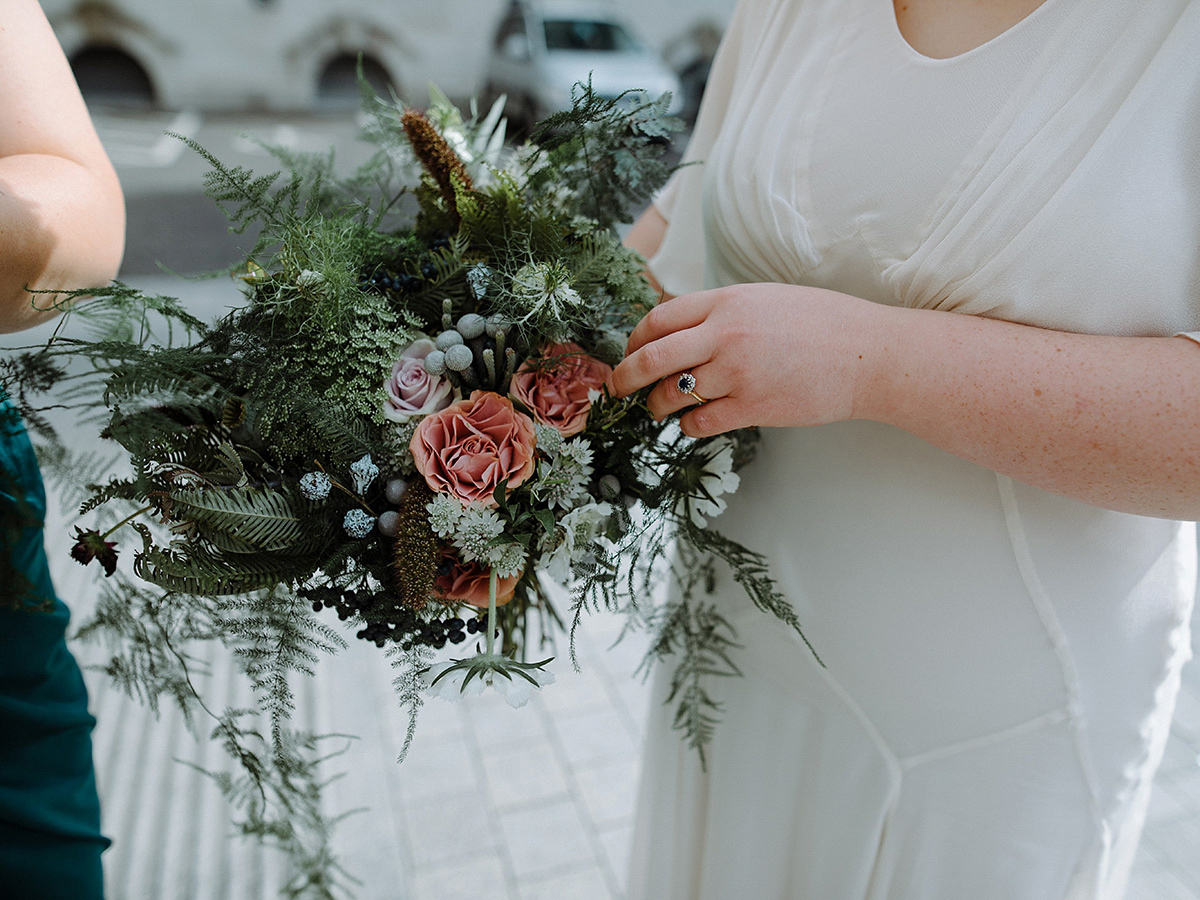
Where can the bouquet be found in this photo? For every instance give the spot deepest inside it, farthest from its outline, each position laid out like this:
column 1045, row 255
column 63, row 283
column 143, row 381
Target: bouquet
column 407, row 426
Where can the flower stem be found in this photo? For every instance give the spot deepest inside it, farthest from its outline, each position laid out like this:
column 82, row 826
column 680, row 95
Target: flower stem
column 491, row 623
column 125, row 521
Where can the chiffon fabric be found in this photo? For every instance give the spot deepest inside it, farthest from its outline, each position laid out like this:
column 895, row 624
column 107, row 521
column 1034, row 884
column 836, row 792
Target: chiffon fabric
column 1000, row 663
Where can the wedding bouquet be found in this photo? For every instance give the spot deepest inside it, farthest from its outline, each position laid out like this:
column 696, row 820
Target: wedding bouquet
column 408, row 425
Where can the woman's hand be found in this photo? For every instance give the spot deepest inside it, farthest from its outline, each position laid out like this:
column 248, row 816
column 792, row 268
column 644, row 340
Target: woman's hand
column 1111, row 421
column 761, row 354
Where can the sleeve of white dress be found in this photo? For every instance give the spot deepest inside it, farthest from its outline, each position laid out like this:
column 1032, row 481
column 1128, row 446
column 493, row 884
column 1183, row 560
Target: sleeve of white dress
column 679, row 264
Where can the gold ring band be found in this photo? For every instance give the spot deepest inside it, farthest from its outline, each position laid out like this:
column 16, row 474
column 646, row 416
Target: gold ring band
column 697, row 397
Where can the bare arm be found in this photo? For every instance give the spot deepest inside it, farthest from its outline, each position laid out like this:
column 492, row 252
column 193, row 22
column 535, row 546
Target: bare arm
column 645, row 236
column 1111, row 421
column 62, row 216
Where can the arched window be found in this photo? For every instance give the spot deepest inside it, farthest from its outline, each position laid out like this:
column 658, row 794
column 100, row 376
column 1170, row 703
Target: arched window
column 338, row 82
column 110, row 75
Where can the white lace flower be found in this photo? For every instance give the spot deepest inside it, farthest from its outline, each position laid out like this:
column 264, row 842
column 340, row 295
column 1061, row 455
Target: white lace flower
column 478, row 277
column 717, row 479
column 315, row 485
column 517, row 690
column 358, row 523
column 446, row 680
column 476, row 528
column 445, row 511
column 450, row 685
column 545, row 290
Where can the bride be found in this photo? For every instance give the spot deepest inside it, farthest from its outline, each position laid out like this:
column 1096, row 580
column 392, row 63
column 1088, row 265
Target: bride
column 947, row 254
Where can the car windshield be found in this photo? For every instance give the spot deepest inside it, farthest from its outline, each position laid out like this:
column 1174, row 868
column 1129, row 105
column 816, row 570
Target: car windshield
column 587, row 34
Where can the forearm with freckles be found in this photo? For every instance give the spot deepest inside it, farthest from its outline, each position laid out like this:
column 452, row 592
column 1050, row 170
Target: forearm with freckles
column 1111, row 421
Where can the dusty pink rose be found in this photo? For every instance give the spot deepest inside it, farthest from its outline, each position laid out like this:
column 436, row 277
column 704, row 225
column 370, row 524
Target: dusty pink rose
column 411, row 391
column 467, row 582
column 471, row 446
column 556, row 387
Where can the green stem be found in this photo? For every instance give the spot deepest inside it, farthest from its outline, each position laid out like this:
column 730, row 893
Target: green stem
column 126, row 520
column 493, row 579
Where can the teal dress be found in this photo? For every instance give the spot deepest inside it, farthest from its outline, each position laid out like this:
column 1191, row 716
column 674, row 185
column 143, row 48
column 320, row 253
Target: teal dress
column 50, row 840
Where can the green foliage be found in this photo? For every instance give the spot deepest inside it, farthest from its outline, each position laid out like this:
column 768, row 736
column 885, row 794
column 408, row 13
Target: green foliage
column 253, row 519
column 278, row 791
column 609, row 154
column 233, row 430
column 210, row 572
column 749, row 569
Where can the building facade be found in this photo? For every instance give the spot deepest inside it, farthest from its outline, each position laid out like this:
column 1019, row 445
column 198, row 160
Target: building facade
column 297, row 55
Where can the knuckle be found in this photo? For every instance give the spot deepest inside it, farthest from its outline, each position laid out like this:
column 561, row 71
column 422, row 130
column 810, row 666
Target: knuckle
column 654, row 359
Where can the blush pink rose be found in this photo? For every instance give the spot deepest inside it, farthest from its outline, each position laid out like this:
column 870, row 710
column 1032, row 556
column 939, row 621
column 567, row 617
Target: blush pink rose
column 467, row 582
column 556, row 387
column 411, row 391
column 471, row 446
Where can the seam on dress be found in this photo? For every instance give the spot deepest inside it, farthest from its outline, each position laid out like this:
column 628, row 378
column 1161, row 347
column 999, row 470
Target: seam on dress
column 1052, row 717
column 890, row 757
column 1019, row 540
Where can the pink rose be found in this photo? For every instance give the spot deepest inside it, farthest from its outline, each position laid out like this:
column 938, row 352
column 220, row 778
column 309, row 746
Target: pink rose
column 556, row 387
column 467, row 582
column 411, row 391
column 470, row 447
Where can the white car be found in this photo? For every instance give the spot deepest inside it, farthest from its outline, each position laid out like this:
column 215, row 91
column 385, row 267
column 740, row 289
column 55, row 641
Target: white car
column 543, row 48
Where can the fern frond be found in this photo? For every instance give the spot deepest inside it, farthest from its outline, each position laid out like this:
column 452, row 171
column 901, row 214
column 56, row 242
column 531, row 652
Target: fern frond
column 261, row 518
column 211, row 573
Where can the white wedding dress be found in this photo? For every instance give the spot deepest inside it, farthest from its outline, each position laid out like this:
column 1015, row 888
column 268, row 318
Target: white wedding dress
column 1001, row 663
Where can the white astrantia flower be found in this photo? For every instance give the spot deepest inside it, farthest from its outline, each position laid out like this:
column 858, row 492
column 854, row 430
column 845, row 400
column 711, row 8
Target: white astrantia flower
column 580, row 452
column 564, row 480
column 545, row 290
column 506, row 559
column 549, row 439
column 717, row 479
column 476, row 528
column 445, row 511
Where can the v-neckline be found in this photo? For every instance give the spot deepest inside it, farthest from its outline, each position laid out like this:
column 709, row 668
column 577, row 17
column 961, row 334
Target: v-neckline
column 1020, row 24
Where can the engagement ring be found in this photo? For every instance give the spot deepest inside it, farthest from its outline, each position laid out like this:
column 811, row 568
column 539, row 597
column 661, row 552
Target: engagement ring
column 687, row 385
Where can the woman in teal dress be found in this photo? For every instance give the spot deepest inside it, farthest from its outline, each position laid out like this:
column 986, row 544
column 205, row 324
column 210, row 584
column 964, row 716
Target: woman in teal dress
column 61, row 226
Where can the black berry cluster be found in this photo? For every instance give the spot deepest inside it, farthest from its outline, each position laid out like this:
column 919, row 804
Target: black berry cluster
column 388, row 620
column 383, row 280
